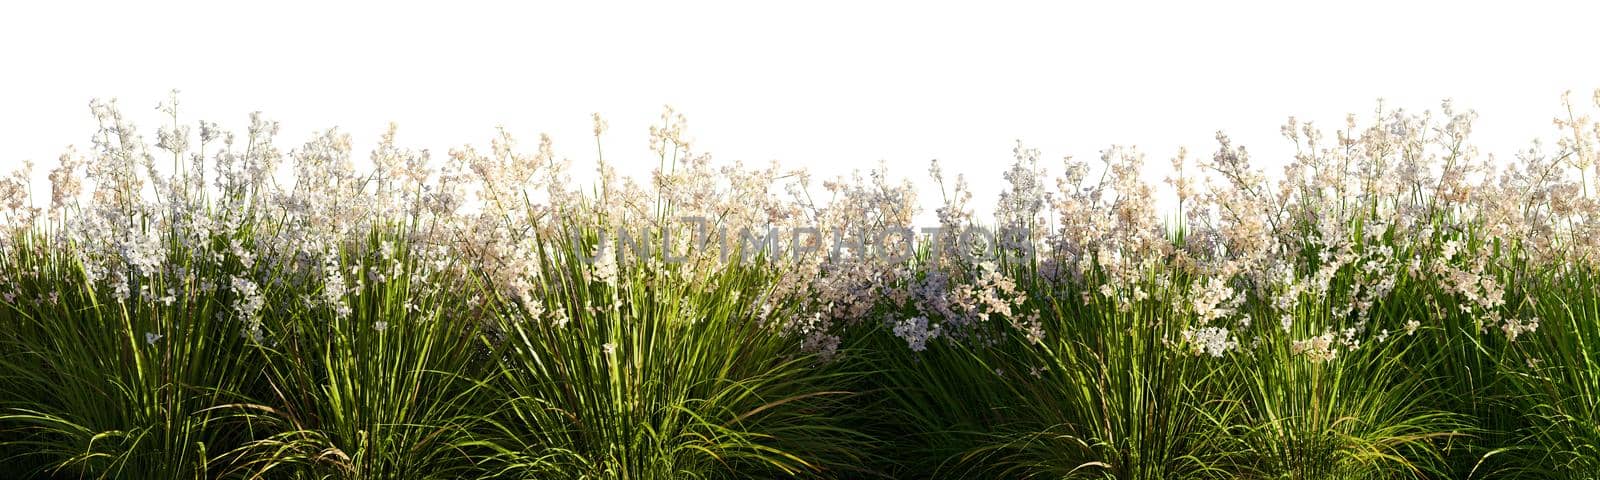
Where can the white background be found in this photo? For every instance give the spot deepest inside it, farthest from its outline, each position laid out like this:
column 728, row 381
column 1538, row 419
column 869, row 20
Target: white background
column 829, row 86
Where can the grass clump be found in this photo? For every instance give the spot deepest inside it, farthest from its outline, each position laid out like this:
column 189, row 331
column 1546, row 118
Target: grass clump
column 1394, row 305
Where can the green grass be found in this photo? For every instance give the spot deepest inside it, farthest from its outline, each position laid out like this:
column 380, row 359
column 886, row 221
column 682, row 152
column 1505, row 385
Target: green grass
column 272, row 344
column 675, row 371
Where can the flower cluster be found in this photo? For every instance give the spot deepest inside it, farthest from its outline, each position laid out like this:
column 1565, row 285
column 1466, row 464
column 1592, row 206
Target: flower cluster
column 1350, row 218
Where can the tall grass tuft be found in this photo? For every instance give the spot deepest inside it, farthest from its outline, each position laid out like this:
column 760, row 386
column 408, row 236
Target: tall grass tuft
column 1393, row 305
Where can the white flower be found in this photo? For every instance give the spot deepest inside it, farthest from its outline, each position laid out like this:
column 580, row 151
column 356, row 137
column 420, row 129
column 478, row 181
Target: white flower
column 604, row 268
column 1213, row 300
column 151, row 337
column 333, row 287
column 609, row 348
column 1515, row 328
column 1212, row 341
column 1449, row 249
column 1320, row 348
column 824, row 345
column 247, row 297
column 916, row 333
column 380, row 326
